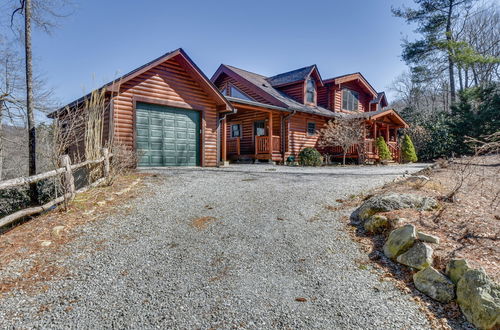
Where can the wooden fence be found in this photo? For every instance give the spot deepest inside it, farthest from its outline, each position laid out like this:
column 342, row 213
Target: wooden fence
column 69, row 184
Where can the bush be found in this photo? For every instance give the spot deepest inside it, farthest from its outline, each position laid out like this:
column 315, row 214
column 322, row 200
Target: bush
column 310, row 157
column 383, row 149
column 408, row 150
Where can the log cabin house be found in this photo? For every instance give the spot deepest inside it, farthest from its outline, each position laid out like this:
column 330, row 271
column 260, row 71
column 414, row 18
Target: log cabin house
column 171, row 114
column 276, row 117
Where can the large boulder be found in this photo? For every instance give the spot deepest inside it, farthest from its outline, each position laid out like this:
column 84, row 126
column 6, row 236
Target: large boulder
column 419, row 256
column 400, row 240
column 456, row 268
column 391, row 202
column 378, row 223
column 479, row 299
column 434, row 284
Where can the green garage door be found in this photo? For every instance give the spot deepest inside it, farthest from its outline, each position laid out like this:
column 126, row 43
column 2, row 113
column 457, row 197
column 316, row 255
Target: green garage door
column 167, row 136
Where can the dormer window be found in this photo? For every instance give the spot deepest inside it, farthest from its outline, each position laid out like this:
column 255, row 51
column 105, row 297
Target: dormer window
column 310, row 91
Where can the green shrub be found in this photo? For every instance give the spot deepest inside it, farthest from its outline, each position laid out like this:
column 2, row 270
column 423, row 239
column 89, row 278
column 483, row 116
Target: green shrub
column 383, row 149
column 408, row 150
column 310, row 157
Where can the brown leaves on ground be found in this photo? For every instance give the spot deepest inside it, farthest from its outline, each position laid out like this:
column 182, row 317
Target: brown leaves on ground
column 202, row 222
column 468, row 224
column 22, row 243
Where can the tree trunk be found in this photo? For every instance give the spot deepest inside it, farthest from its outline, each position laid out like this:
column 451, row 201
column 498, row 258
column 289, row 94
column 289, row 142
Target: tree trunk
column 343, row 158
column 460, row 79
column 451, row 71
column 29, row 97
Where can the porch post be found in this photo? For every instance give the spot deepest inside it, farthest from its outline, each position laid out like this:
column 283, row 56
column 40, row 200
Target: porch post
column 224, row 140
column 271, row 133
column 387, row 133
column 375, row 130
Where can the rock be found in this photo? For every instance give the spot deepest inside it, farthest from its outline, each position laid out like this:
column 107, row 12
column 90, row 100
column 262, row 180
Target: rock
column 57, row 230
column 419, row 256
column 456, row 268
column 399, row 241
column 416, row 178
column 427, row 238
column 479, row 299
column 378, row 223
column 391, row 202
column 45, row 243
column 434, row 284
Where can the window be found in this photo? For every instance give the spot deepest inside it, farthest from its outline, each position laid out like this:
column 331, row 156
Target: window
column 235, row 130
column 311, row 128
column 235, row 92
column 310, row 91
column 259, row 128
column 350, row 100
column 224, row 91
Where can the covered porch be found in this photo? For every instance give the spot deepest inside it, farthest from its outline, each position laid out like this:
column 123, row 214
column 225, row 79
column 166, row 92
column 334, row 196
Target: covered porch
column 384, row 123
column 252, row 133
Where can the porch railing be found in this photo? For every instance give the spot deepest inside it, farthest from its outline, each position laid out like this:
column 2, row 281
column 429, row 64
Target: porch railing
column 262, row 145
column 371, row 147
column 233, row 146
column 395, row 152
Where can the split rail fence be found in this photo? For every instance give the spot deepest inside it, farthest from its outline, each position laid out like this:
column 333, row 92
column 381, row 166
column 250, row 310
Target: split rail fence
column 67, row 170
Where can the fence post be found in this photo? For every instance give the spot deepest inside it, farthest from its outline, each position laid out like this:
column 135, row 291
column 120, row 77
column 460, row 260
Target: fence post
column 105, row 153
column 69, row 180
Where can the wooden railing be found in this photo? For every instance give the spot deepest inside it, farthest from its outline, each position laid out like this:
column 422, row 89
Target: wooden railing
column 262, row 144
column 395, row 153
column 69, row 184
column 340, row 151
column 233, row 146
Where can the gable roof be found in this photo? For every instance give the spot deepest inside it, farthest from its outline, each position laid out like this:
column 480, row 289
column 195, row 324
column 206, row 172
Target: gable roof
column 350, row 77
column 187, row 64
column 379, row 114
column 295, row 76
column 263, row 87
column 380, row 99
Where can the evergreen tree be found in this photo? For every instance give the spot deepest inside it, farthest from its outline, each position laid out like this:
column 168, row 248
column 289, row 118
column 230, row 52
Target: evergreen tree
column 408, row 150
column 383, row 149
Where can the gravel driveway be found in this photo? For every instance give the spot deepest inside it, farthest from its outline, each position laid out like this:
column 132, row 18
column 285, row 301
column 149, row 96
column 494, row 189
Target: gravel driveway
column 272, row 256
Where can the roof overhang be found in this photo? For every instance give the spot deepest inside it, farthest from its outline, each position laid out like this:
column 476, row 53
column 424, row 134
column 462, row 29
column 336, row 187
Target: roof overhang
column 223, row 105
column 358, row 77
column 392, row 114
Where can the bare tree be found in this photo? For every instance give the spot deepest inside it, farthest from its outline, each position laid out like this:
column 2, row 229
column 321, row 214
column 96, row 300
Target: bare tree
column 344, row 133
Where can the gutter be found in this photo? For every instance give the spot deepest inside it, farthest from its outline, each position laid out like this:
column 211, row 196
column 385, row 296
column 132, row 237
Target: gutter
column 283, row 129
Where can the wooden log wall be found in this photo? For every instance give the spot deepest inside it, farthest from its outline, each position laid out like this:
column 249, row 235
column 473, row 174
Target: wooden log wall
column 297, row 137
column 294, row 91
column 169, row 82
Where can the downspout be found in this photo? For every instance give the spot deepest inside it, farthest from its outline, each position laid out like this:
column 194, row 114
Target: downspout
column 283, row 130
column 219, row 133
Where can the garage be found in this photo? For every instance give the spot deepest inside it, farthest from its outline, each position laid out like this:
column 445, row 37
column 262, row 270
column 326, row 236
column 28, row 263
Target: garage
column 167, row 136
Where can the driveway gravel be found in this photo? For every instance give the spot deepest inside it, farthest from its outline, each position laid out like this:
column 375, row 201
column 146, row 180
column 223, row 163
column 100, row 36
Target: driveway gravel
column 266, row 253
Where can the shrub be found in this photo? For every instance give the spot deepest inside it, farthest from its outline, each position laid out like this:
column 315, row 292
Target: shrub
column 310, row 157
column 408, row 150
column 383, row 149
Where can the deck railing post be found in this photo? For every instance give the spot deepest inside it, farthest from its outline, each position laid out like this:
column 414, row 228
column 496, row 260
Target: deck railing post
column 106, row 166
column 69, row 179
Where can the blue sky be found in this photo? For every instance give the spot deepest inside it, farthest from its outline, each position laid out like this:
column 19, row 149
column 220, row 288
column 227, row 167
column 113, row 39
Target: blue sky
column 104, row 39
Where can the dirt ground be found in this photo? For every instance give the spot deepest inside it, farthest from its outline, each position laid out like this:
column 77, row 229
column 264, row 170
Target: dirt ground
column 467, row 221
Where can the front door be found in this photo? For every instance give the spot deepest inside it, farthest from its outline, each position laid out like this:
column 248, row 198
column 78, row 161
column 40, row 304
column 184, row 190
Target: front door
column 259, row 128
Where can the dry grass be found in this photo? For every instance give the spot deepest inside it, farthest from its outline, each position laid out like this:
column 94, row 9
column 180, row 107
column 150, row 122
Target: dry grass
column 23, row 242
